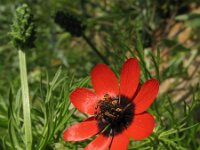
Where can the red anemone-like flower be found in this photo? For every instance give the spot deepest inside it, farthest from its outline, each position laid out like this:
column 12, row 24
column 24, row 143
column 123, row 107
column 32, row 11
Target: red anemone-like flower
column 118, row 110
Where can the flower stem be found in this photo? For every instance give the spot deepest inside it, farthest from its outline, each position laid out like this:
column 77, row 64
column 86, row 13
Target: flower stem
column 25, row 99
column 94, row 49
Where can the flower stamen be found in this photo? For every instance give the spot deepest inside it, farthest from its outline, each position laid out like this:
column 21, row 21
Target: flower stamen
column 116, row 112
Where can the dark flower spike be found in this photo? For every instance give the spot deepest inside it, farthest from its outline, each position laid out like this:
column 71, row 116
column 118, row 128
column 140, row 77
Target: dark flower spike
column 23, row 29
column 69, row 23
column 75, row 27
column 119, row 110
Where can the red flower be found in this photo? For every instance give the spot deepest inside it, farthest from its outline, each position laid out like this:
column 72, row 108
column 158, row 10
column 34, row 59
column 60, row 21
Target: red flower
column 119, row 112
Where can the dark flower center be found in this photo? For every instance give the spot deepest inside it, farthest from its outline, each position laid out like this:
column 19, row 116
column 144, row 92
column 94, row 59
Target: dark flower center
column 114, row 114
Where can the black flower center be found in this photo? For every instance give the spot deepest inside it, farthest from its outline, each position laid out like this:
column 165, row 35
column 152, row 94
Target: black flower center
column 114, row 114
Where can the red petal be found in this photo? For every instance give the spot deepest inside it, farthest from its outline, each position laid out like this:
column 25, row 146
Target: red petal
column 81, row 131
column 120, row 142
column 146, row 95
column 100, row 143
column 104, row 80
column 84, row 100
column 129, row 78
column 141, row 127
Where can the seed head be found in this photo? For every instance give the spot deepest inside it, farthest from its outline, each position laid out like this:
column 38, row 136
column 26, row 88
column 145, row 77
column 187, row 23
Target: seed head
column 69, row 23
column 23, row 29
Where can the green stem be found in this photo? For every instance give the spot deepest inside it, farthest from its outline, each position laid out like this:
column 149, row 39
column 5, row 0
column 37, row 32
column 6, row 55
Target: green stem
column 95, row 49
column 25, row 99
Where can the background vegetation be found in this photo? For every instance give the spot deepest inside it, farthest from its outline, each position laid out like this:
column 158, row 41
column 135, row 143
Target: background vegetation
column 162, row 34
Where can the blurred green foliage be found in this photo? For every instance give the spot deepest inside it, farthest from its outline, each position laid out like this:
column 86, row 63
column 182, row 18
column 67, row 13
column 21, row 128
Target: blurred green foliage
column 118, row 30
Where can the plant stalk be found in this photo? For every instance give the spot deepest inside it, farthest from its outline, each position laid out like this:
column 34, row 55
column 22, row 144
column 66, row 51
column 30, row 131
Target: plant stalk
column 25, row 99
column 95, row 49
